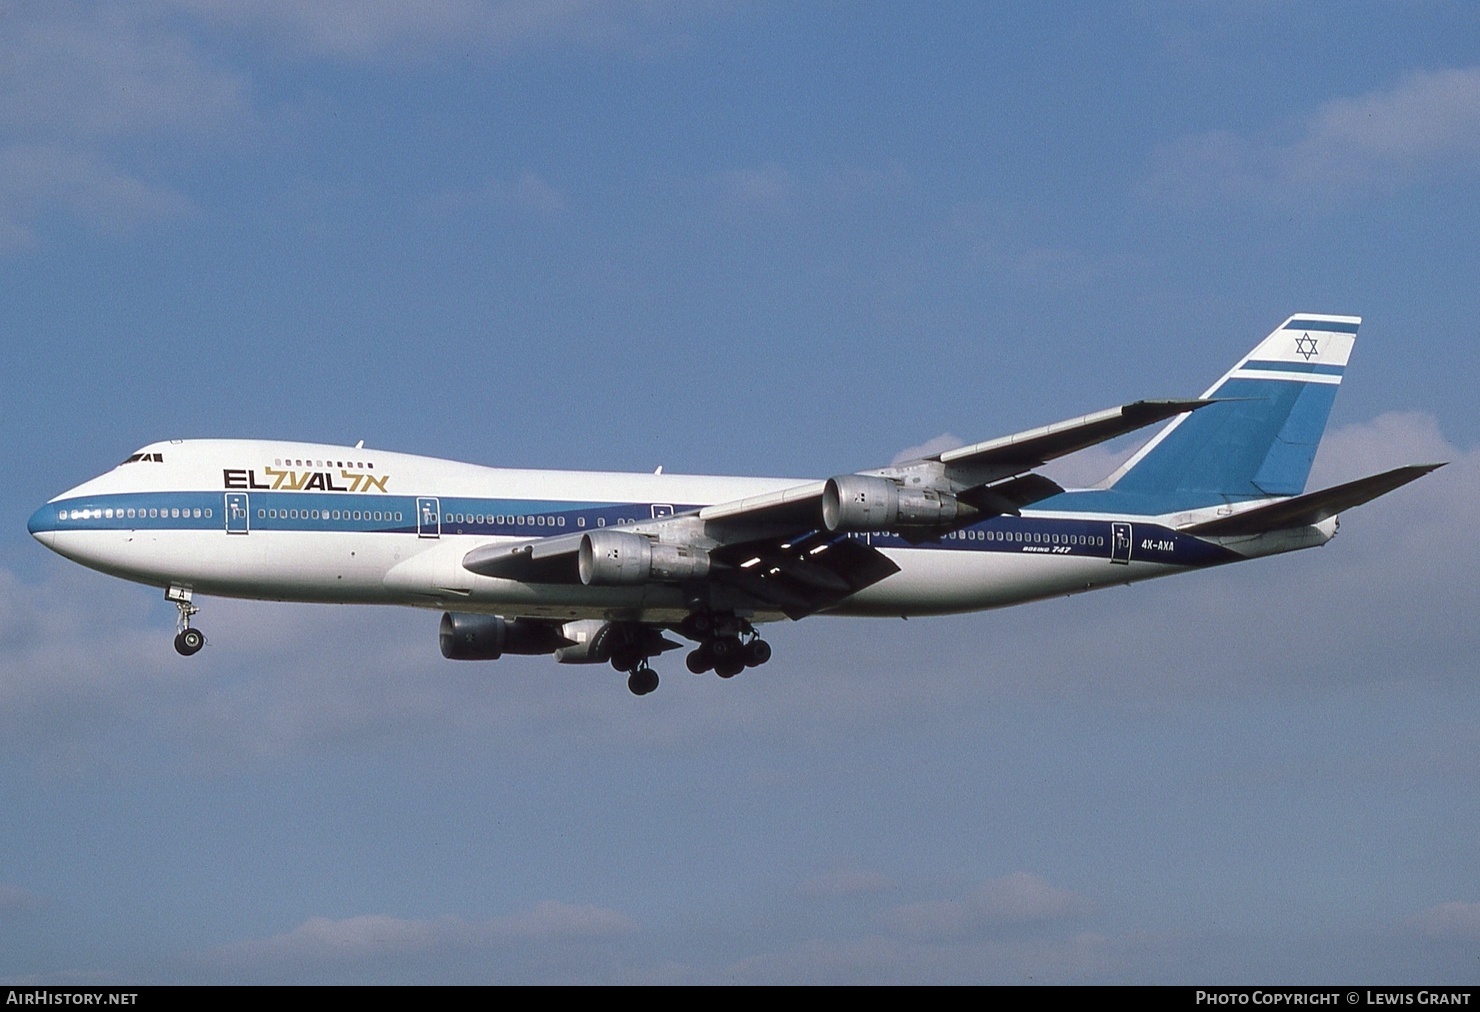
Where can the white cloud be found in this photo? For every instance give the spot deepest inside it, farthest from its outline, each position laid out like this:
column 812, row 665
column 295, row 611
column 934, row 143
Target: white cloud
column 530, row 194
column 770, row 188
column 368, row 30
column 1013, row 901
column 1390, row 440
column 849, row 881
column 35, row 178
column 548, row 938
column 14, row 899
column 110, row 70
column 944, row 441
column 76, row 81
column 1429, row 121
column 881, row 959
column 1453, row 920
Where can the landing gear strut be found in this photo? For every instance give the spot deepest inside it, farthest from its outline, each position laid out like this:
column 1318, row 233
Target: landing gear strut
column 188, row 641
column 631, row 653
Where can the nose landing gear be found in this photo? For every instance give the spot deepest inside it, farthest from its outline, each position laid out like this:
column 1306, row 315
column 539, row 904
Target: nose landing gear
column 188, row 641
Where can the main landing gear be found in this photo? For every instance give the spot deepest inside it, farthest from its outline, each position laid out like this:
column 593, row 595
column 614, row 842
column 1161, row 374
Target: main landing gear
column 727, row 644
column 632, row 655
column 188, row 641
column 642, row 680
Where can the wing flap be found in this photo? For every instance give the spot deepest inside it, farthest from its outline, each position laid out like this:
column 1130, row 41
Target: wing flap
column 1313, row 507
column 805, row 576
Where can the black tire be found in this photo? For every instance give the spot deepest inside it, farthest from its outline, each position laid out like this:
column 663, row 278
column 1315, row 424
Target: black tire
column 189, row 642
column 723, row 649
column 626, row 658
column 698, row 661
column 730, row 668
column 642, row 681
column 757, row 652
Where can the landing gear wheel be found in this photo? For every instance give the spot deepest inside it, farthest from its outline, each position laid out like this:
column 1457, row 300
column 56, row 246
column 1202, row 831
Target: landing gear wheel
column 189, row 641
column 698, row 661
column 723, row 649
column 730, row 668
column 627, row 658
column 642, row 681
column 757, row 652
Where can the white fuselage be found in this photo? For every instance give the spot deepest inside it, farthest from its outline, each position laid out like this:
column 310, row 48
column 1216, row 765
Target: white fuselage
column 303, row 522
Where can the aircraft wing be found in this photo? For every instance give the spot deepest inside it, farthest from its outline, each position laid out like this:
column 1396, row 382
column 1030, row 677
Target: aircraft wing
column 776, row 547
column 796, row 575
column 1027, row 450
column 803, row 576
column 990, row 460
column 800, row 504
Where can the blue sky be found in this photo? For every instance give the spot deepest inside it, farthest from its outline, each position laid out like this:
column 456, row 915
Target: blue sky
column 753, row 239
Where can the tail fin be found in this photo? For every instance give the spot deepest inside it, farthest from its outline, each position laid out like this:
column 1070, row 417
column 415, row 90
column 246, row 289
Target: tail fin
column 1261, row 441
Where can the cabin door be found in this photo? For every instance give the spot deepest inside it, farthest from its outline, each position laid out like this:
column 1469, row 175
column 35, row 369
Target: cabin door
column 238, row 510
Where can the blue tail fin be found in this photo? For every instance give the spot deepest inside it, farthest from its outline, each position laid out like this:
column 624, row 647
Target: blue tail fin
column 1261, row 442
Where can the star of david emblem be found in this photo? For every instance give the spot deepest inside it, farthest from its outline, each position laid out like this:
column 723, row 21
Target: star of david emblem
column 1306, row 345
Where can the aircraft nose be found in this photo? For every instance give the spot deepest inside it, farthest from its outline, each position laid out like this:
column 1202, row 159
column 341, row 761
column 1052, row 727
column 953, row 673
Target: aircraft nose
column 42, row 525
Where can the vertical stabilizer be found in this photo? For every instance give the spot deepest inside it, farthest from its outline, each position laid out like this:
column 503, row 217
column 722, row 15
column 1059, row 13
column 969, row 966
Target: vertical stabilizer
column 1261, row 441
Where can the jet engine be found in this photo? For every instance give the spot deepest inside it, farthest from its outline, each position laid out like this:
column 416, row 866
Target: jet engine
column 859, row 502
column 464, row 637
column 620, row 558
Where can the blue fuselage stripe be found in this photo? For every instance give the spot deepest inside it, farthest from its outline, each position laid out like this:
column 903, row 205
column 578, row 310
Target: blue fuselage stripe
column 319, row 513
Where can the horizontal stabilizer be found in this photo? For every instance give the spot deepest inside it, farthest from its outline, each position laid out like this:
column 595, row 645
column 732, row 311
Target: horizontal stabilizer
column 1312, row 508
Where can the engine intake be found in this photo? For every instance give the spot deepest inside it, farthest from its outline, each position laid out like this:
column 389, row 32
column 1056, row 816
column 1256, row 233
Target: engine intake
column 622, row 559
column 859, row 502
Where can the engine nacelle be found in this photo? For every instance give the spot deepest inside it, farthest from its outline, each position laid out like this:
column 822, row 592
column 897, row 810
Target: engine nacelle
column 623, row 559
column 464, row 637
column 590, row 642
column 860, row 502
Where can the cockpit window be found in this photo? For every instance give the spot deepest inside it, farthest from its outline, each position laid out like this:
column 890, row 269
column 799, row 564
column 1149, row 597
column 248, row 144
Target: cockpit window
column 134, row 458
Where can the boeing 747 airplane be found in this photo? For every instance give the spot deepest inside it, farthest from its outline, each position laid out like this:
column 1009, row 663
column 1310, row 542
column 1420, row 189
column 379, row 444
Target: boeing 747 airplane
column 601, row 567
